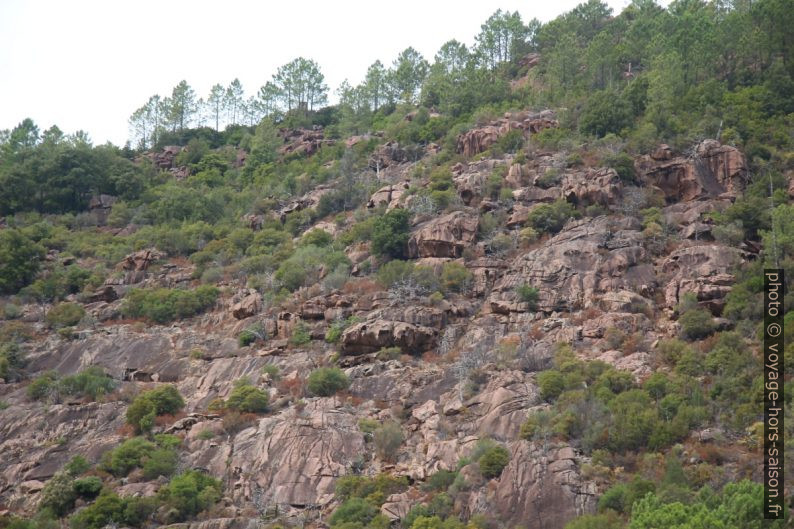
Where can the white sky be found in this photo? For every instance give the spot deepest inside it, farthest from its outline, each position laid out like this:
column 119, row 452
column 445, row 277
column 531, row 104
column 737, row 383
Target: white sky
column 84, row 64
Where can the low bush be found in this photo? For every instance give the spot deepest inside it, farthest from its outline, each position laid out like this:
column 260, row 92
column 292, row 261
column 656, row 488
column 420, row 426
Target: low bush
column 528, row 294
column 190, row 493
column 455, row 277
column 88, row 487
column 550, row 218
column 149, row 404
column 64, row 315
column 387, row 439
column 247, row 398
column 164, row 304
column 696, row 324
column 327, row 381
column 493, row 461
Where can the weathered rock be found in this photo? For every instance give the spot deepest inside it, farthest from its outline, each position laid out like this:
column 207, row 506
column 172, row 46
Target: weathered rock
column 480, row 139
column 302, row 141
column 587, row 259
column 446, row 236
column 711, row 171
column 541, row 488
column 249, row 306
column 600, row 186
column 100, row 206
column 368, row 337
column 388, row 195
column 705, row 270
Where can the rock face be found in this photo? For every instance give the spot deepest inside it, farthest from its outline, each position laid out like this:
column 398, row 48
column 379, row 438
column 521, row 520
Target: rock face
column 165, row 158
column 542, row 488
column 703, row 270
column 369, row 337
column 587, row 259
column 136, row 264
column 600, row 186
column 249, row 306
column 446, row 236
column 302, row 141
column 388, row 195
column 479, row 139
column 711, row 171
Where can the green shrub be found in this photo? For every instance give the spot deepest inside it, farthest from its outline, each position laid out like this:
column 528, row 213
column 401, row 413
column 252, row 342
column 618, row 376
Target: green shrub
column 326, row 381
column 163, row 304
column 623, row 164
column 88, row 487
column 91, row 383
column 608, row 520
column 316, row 237
column 390, row 234
column 190, row 493
column 19, row 260
column 440, row 480
column 58, row 495
column 550, row 218
column 160, row 462
column 551, row 384
column 353, row 512
column 149, row 404
column 387, row 439
column 334, row 332
column 493, row 461
column 127, row 456
column 528, row 294
column 247, row 398
column 373, row 489
column 64, row 315
column 108, row 508
column 300, row 335
column 43, row 386
column 455, row 277
column 696, row 324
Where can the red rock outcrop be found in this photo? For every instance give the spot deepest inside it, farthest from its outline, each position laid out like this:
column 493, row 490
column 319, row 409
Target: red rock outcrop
column 445, row 236
column 711, row 171
column 479, row 139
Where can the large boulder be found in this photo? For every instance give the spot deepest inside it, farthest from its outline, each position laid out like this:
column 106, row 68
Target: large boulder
column 371, row 336
column 388, row 195
column 445, row 236
column 248, row 306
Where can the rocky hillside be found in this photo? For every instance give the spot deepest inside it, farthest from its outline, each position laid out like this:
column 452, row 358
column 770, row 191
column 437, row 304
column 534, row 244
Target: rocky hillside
column 441, row 358
column 519, row 287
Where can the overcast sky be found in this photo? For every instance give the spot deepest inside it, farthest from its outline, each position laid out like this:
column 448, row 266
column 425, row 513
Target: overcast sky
column 88, row 65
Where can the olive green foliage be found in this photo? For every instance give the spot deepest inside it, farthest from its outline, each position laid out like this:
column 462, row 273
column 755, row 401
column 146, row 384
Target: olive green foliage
column 64, row 315
column 325, row 381
column 493, row 461
column 390, row 234
column 605, row 112
column 455, row 277
column 149, row 404
column 88, row 487
column 596, row 406
column 398, row 272
column 303, row 267
column 374, row 490
column 737, row 505
column 137, row 453
column 355, row 511
column 92, row 384
column 334, row 332
column 550, row 218
column 19, row 260
column 387, row 439
column 300, row 335
column 111, row 509
column 190, row 493
column 529, row 295
column 59, row 494
column 247, row 398
column 696, row 324
column 163, row 304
